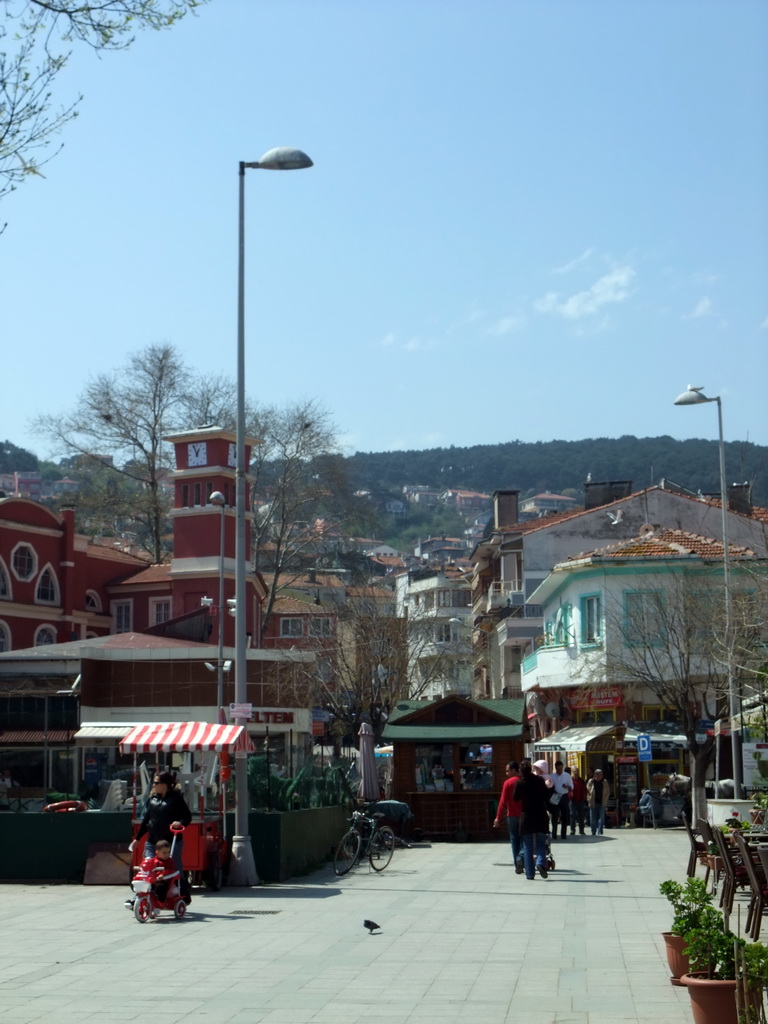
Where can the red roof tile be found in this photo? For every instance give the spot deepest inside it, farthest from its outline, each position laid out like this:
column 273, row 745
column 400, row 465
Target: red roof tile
column 662, row 543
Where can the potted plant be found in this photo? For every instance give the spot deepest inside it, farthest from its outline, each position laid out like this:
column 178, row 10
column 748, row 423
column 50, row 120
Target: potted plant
column 757, row 814
column 712, row 951
column 752, row 979
column 688, row 900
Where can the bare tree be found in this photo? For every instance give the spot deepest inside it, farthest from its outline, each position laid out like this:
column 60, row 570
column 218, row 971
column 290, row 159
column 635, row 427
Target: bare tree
column 35, row 46
column 668, row 641
column 302, row 498
column 119, row 424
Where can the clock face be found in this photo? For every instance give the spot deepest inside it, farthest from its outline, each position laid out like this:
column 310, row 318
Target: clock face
column 197, row 453
column 232, row 457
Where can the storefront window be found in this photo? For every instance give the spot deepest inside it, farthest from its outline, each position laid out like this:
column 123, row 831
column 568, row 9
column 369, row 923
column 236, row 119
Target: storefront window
column 434, row 767
column 476, row 766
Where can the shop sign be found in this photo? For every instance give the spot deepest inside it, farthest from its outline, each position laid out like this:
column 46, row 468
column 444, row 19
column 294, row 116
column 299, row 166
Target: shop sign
column 601, row 697
column 644, row 751
column 240, row 710
column 264, row 717
column 754, row 758
column 626, row 759
column 318, row 727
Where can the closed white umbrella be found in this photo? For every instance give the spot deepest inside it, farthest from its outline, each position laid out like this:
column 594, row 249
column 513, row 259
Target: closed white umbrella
column 368, row 788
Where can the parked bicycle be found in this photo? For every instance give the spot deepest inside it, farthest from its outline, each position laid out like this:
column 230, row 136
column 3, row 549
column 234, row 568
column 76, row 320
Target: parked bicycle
column 366, row 838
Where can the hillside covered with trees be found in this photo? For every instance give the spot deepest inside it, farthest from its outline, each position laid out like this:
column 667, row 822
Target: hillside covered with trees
column 563, row 466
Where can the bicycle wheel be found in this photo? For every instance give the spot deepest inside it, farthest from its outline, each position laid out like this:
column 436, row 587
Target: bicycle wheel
column 347, row 852
column 141, row 909
column 382, row 848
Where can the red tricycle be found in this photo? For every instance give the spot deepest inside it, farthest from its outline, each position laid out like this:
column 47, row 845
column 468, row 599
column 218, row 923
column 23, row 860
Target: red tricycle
column 156, row 888
column 205, row 844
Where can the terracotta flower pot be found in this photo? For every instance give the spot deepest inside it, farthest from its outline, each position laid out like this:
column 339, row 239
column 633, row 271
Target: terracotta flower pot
column 712, row 1002
column 677, row 960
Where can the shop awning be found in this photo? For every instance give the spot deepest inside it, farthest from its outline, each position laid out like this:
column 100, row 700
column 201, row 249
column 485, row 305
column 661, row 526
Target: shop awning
column 36, row 737
column 574, row 738
column 658, row 739
column 96, row 733
column 452, row 733
column 179, row 736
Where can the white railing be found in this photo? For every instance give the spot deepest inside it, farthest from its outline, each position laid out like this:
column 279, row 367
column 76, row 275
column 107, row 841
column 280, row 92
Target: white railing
column 502, row 592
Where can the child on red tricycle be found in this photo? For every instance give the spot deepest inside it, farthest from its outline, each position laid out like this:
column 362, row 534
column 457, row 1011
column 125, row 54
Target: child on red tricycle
column 157, row 885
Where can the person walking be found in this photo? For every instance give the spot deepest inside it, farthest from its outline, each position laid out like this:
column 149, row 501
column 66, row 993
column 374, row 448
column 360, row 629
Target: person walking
column 511, row 808
column 562, row 787
column 532, row 792
column 578, row 802
column 598, row 795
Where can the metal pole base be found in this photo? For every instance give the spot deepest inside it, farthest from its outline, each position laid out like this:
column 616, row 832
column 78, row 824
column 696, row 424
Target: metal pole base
column 242, row 866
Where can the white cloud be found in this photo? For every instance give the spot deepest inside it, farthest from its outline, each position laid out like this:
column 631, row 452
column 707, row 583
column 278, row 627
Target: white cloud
column 587, row 254
column 611, row 287
column 702, row 308
column 388, row 339
column 764, row 325
column 417, row 344
column 506, row 325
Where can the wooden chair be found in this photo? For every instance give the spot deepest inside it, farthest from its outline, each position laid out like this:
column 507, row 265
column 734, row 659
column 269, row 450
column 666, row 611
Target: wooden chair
column 714, row 860
column 757, row 884
column 734, row 871
column 699, row 852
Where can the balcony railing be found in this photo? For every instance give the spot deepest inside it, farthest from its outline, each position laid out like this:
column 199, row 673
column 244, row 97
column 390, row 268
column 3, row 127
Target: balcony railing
column 502, row 593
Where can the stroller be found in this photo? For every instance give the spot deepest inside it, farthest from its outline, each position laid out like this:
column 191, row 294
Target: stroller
column 156, row 892
column 551, row 865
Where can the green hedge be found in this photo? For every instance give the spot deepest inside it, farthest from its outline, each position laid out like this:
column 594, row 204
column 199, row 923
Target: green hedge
column 54, row 847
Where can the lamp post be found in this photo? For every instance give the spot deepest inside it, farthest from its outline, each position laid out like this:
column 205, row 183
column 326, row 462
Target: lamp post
column 693, row 396
column 243, row 866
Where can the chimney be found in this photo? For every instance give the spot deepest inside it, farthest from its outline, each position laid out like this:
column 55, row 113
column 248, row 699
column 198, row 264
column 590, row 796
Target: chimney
column 605, row 491
column 740, row 498
column 505, row 508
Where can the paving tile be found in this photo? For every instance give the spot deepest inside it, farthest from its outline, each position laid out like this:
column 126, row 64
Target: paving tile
column 463, row 938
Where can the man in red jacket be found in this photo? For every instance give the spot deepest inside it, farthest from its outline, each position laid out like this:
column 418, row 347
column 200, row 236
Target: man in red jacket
column 512, row 809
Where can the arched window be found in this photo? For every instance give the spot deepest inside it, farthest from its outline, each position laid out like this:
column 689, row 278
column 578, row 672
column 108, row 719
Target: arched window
column 5, row 637
column 5, row 583
column 24, row 562
column 45, row 635
column 92, row 601
column 47, row 587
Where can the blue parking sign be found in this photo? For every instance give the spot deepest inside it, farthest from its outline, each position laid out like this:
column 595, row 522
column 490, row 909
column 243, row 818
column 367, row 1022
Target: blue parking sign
column 644, row 752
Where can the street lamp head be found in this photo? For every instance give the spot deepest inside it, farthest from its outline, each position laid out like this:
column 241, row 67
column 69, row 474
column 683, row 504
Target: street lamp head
column 283, row 158
column 693, row 396
column 217, row 498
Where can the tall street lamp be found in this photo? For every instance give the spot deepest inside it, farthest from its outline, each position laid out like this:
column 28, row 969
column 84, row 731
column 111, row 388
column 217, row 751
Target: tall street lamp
column 243, row 866
column 693, row 396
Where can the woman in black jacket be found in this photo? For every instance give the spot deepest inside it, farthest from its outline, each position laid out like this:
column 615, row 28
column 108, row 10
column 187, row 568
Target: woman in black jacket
column 166, row 810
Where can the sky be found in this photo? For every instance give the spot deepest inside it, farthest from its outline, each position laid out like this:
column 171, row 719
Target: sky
column 526, row 220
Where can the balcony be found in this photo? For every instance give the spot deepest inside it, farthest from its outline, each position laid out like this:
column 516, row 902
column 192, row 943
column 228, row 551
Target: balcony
column 503, row 594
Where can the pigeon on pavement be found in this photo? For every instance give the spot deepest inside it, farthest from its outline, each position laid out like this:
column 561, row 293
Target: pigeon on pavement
column 371, row 926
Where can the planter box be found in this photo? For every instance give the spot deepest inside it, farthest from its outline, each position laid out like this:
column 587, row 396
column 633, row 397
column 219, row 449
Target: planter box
column 719, row 811
column 54, row 847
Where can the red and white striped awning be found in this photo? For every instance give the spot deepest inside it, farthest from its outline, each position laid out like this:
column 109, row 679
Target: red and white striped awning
column 180, row 736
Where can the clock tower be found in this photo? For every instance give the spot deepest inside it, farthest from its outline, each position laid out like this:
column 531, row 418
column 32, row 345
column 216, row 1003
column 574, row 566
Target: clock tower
column 206, row 461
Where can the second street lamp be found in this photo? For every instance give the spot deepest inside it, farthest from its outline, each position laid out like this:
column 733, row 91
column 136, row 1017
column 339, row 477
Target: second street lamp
column 694, row 396
column 243, row 865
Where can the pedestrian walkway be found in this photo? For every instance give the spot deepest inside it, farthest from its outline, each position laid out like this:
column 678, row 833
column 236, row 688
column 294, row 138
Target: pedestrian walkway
column 463, row 938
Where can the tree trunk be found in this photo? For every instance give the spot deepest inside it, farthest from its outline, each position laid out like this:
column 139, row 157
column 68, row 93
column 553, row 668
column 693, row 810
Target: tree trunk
column 699, row 764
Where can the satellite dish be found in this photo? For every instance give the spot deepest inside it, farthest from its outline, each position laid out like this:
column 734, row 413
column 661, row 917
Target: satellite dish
column 552, row 710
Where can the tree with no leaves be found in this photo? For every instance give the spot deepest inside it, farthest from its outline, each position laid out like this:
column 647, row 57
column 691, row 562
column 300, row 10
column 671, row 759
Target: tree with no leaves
column 118, row 427
column 36, row 37
column 667, row 640
column 301, row 492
